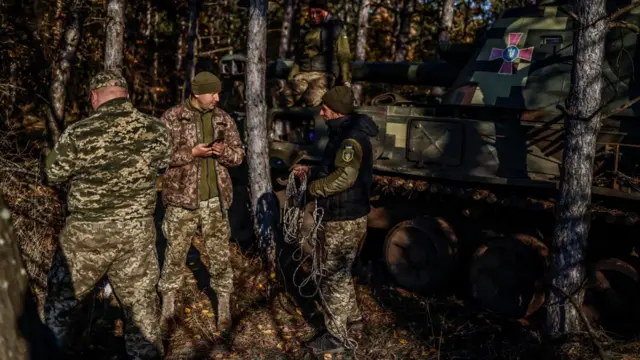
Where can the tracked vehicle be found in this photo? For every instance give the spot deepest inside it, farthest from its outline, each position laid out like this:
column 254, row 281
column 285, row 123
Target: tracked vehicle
column 465, row 185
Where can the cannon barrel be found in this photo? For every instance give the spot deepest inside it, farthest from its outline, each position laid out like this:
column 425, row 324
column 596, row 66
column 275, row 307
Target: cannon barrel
column 424, row 73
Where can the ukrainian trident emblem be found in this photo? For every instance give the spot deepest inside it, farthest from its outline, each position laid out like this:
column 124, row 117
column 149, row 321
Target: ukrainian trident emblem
column 511, row 54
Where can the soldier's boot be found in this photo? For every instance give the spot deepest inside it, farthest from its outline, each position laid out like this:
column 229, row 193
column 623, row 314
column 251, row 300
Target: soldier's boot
column 224, row 312
column 168, row 310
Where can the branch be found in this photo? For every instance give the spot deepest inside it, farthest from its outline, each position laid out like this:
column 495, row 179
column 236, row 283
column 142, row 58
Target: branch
column 212, row 52
column 624, row 25
column 570, row 13
column 623, row 107
column 622, row 11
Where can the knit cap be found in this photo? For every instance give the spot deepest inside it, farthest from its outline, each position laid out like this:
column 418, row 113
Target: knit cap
column 339, row 99
column 205, row 83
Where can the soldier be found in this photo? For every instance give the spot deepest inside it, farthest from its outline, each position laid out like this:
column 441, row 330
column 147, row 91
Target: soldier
column 322, row 58
column 197, row 191
column 111, row 161
column 341, row 185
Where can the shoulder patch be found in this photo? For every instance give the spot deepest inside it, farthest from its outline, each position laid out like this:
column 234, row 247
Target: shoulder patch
column 347, row 153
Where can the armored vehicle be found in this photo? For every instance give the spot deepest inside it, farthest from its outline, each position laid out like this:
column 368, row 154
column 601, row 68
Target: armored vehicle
column 465, row 185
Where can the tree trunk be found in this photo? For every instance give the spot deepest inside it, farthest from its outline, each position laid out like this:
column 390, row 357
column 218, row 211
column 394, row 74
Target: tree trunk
column 156, row 43
column 285, row 34
column 192, row 47
column 402, row 40
column 23, row 336
column 13, row 286
column 60, row 72
column 361, row 43
column 114, row 43
column 446, row 22
column 179, row 57
column 582, row 124
column 263, row 201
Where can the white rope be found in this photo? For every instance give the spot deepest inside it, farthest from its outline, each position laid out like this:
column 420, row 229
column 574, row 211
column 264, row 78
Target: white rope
column 294, row 211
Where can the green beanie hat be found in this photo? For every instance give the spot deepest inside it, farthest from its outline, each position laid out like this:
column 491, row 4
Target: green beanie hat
column 205, row 83
column 339, row 99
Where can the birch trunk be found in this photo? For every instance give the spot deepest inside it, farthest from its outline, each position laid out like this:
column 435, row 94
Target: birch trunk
column 446, row 22
column 191, row 47
column 361, row 43
column 13, row 287
column 263, row 201
column 403, row 34
column 285, row 33
column 60, row 72
column 23, row 336
column 114, row 43
column 581, row 128
column 179, row 57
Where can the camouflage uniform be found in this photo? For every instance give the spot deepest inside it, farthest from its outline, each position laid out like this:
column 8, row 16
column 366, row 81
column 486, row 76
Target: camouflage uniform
column 323, row 57
column 111, row 161
column 341, row 241
column 198, row 192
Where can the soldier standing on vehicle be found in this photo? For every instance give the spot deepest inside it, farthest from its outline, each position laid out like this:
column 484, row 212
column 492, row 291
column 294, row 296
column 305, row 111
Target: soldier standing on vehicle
column 322, row 57
column 341, row 185
column 111, row 161
column 197, row 190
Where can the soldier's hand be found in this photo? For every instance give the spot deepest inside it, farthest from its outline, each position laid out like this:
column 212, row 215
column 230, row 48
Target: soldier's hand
column 218, row 148
column 202, row 150
column 300, row 170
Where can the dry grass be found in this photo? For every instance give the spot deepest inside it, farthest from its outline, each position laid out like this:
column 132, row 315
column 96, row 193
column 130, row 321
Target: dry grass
column 398, row 325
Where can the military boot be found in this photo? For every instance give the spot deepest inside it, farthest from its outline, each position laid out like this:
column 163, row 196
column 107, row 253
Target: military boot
column 168, row 310
column 224, row 312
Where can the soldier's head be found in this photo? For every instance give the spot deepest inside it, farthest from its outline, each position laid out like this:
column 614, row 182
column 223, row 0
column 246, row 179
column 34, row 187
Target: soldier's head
column 107, row 85
column 318, row 11
column 205, row 89
column 337, row 103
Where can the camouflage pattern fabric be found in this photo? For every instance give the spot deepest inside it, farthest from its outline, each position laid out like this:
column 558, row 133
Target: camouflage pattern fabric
column 342, row 239
column 126, row 252
column 111, row 161
column 179, row 227
column 107, row 78
column 308, row 86
column 180, row 181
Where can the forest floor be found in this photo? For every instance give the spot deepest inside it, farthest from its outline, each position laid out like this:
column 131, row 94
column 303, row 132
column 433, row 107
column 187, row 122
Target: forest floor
column 397, row 324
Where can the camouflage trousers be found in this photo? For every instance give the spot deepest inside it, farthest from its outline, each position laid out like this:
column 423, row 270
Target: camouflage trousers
column 341, row 242
column 308, row 86
column 126, row 252
column 179, row 227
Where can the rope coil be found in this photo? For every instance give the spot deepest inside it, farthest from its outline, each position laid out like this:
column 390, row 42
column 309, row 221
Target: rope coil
column 293, row 221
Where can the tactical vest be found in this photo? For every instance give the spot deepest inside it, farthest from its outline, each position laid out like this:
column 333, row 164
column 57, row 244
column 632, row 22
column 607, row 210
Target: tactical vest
column 326, row 59
column 354, row 202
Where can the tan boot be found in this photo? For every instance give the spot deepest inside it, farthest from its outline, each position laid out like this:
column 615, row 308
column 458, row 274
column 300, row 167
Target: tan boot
column 224, row 313
column 168, row 310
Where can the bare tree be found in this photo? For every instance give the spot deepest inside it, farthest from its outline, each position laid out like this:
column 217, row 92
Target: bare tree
column 285, row 33
column 361, row 42
column 404, row 29
column 192, row 47
column 60, row 72
column 582, row 123
column 263, row 201
column 446, row 22
column 114, row 43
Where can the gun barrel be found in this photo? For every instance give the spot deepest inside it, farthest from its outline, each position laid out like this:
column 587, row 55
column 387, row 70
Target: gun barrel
column 425, row 73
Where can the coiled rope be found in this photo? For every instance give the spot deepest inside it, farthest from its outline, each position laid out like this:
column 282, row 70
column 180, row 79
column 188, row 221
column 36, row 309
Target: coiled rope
column 294, row 210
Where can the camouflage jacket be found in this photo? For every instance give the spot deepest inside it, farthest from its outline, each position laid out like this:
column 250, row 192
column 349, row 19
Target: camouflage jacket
column 180, row 181
column 111, row 161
